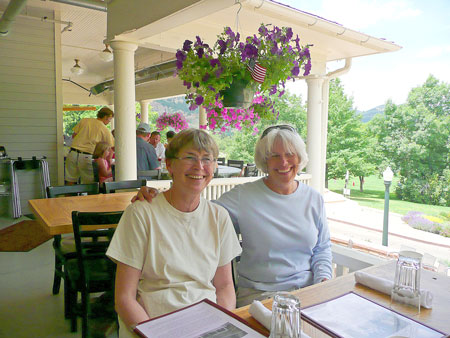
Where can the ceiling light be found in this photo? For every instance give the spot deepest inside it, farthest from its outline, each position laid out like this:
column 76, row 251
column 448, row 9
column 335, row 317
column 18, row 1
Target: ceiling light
column 106, row 55
column 76, row 69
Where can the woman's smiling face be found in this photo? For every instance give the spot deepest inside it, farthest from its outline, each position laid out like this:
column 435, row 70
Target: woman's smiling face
column 282, row 164
column 192, row 169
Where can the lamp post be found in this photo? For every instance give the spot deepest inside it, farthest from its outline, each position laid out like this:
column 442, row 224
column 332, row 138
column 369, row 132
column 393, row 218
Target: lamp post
column 387, row 177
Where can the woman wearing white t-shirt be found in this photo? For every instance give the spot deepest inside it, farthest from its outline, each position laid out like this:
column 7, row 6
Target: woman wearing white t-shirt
column 177, row 250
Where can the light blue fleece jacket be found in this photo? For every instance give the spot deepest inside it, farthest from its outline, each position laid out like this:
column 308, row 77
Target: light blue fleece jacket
column 285, row 238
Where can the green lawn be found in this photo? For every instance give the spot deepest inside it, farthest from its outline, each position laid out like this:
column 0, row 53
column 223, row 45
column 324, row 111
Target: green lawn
column 373, row 196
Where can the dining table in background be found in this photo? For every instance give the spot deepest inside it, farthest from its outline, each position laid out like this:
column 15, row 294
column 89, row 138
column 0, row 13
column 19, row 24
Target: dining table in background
column 226, row 171
column 55, row 214
column 438, row 317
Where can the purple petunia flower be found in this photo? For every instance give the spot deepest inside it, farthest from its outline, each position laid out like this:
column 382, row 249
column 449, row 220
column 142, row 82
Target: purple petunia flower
column 180, row 55
column 187, row 84
column 223, row 46
column 307, row 68
column 262, row 30
column 273, row 90
column 205, row 77
column 295, row 71
column 198, row 41
column 214, row 62
column 200, row 52
column 187, row 45
column 249, row 52
column 199, row 100
column 179, row 64
column 196, row 84
column 289, row 33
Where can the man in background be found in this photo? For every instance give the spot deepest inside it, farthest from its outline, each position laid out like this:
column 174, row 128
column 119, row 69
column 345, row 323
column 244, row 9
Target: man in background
column 155, row 139
column 86, row 134
column 145, row 153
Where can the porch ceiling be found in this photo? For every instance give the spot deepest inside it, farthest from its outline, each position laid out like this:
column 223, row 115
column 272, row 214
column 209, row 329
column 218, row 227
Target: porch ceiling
column 158, row 40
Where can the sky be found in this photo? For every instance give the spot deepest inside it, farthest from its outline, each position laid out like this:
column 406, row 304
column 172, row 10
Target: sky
column 421, row 27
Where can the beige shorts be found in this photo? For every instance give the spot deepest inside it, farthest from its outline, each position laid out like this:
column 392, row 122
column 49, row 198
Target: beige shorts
column 79, row 166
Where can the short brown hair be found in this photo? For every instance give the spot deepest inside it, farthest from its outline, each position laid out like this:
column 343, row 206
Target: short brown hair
column 196, row 138
column 105, row 111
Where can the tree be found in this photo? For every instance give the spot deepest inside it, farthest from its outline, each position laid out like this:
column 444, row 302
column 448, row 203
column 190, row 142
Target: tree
column 346, row 147
column 414, row 139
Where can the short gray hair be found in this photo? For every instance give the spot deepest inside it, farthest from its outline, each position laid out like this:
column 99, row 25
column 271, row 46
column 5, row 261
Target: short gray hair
column 290, row 140
column 195, row 138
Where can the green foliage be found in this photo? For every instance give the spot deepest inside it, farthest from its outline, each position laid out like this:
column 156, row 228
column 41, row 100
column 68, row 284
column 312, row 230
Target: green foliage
column 348, row 143
column 71, row 118
column 414, row 140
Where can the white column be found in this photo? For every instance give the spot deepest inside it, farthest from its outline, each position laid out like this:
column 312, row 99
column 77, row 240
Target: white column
column 144, row 111
column 324, row 131
column 201, row 116
column 125, row 112
column 314, row 140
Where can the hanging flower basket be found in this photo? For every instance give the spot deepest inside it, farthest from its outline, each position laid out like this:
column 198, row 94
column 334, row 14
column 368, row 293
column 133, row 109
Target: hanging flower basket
column 238, row 95
column 176, row 120
column 264, row 61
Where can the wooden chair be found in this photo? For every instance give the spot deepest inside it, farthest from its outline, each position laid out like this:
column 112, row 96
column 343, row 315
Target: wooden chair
column 65, row 249
column 111, row 187
column 154, row 174
column 250, row 170
column 221, row 160
column 92, row 271
column 236, row 164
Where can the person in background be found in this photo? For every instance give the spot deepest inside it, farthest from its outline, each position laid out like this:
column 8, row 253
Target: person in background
column 178, row 250
column 169, row 136
column 145, row 153
column 86, row 134
column 285, row 238
column 103, row 157
column 155, row 139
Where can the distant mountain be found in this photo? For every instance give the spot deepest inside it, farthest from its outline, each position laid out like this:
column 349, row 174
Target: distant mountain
column 178, row 104
column 369, row 114
column 174, row 105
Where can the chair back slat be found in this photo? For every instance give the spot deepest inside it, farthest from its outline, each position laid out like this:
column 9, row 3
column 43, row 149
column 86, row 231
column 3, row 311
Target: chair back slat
column 221, row 160
column 72, row 190
column 92, row 244
column 111, row 187
column 235, row 163
column 154, row 174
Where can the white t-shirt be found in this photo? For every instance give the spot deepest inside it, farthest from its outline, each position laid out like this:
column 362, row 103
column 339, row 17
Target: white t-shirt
column 177, row 252
column 160, row 150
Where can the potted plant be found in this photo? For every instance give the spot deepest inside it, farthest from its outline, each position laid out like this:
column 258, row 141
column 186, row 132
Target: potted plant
column 260, row 63
column 175, row 120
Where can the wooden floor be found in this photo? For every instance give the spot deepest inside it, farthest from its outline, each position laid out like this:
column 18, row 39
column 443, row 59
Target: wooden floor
column 27, row 306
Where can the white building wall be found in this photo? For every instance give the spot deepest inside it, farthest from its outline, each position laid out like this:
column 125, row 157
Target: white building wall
column 28, row 104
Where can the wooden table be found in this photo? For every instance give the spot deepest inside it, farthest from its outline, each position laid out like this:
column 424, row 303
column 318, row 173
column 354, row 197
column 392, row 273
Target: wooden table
column 438, row 317
column 55, row 214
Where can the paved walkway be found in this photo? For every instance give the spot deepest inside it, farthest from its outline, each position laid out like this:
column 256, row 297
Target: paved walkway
column 363, row 225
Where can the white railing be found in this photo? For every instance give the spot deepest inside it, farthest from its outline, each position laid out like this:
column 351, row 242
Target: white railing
column 218, row 186
column 346, row 260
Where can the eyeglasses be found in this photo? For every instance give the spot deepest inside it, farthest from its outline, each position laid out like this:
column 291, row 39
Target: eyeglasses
column 280, row 126
column 206, row 161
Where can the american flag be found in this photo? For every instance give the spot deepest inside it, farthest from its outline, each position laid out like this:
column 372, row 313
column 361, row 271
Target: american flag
column 258, row 72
